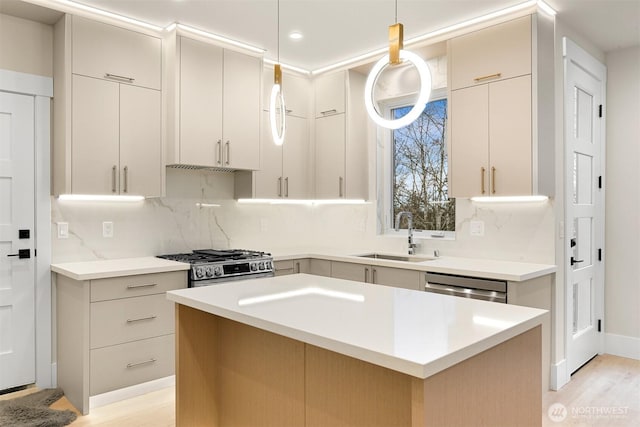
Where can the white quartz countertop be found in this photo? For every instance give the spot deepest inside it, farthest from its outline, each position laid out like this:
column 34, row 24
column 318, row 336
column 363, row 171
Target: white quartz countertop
column 473, row 267
column 89, row 270
column 417, row 333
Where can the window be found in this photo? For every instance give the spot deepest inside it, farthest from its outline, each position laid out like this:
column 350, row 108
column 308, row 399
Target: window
column 418, row 170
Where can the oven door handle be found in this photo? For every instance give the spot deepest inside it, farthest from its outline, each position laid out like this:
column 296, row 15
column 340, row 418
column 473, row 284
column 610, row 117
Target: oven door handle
column 466, row 292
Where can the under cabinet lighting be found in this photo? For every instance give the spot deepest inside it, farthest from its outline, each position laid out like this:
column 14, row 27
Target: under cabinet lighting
column 99, row 198
column 510, row 199
column 306, row 202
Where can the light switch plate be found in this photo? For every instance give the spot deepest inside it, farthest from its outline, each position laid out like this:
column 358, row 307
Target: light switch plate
column 63, row 230
column 107, row 229
column 476, row 228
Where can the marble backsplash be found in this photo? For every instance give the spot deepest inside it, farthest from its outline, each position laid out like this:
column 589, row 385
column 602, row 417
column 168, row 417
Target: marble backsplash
column 180, row 222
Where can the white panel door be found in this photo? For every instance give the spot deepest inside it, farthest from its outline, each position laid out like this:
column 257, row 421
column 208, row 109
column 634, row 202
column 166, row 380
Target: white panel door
column 17, row 212
column 330, row 157
column 583, row 139
column 269, row 178
column 295, row 167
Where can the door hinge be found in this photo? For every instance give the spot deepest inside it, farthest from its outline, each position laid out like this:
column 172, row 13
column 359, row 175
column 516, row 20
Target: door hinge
column 600, row 181
column 599, row 254
column 599, row 325
column 600, row 110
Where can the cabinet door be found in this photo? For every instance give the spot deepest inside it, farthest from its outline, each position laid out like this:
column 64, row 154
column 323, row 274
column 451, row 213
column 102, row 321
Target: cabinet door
column 106, row 51
column 397, row 277
column 320, row 267
column 268, row 180
column 469, row 142
column 200, row 103
column 140, row 141
column 94, row 136
column 330, row 157
column 330, row 94
column 350, row 271
column 499, row 52
column 241, row 118
column 297, row 91
column 510, row 139
column 295, row 169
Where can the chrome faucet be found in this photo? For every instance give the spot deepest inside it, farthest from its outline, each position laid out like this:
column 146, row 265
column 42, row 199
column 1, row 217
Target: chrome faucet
column 409, row 217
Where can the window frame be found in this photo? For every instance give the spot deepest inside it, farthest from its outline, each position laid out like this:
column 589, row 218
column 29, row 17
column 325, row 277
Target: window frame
column 387, row 175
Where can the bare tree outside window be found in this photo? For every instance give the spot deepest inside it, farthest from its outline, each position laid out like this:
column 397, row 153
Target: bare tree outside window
column 420, row 183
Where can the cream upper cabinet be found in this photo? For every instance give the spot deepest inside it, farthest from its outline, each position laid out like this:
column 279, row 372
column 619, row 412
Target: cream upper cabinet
column 502, row 51
column 295, row 88
column 340, row 137
column 501, row 127
column 108, row 52
column 330, row 94
column 217, row 120
column 107, row 131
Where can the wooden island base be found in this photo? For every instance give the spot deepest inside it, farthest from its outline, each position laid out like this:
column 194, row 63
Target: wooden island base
column 231, row 374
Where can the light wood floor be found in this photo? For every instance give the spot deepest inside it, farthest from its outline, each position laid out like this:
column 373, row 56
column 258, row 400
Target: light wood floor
column 606, row 384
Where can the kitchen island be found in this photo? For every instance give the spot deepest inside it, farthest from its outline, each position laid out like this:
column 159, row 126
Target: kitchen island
column 305, row 350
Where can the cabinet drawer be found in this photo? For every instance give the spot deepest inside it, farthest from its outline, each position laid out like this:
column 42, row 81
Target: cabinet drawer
column 106, row 51
column 130, row 319
column 132, row 363
column 138, row 285
column 499, row 52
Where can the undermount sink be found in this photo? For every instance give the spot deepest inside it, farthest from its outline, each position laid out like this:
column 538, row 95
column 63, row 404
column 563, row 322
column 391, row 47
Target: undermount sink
column 404, row 258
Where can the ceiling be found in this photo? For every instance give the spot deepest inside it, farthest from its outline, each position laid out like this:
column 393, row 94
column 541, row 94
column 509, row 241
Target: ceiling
column 336, row 30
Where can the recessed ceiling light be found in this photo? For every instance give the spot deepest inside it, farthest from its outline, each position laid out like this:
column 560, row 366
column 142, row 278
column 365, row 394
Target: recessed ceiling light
column 295, row 35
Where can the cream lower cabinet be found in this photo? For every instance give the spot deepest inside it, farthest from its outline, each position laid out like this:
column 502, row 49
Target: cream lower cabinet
column 115, row 148
column 114, row 333
column 396, row 277
column 491, row 139
column 293, row 266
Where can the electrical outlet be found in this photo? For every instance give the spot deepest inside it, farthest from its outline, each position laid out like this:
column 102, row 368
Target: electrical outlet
column 107, row 229
column 476, row 228
column 63, row 230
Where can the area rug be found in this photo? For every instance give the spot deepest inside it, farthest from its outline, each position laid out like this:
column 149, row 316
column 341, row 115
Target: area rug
column 33, row 410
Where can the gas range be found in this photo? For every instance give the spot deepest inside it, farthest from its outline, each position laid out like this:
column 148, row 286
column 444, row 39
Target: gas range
column 212, row 266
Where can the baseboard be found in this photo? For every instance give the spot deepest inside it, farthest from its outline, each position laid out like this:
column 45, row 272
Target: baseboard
column 559, row 376
column 129, row 392
column 623, row 346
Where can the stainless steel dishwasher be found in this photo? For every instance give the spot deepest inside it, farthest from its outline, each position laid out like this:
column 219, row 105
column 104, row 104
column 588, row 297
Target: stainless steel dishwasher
column 467, row 287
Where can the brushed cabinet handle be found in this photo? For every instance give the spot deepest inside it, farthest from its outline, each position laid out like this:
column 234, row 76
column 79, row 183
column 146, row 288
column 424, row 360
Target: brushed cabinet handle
column 279, row 186
column 366, row 275
column 373, row 275
column 340, row 182
column 298, row 267
column 493, row 180
column 219, row 159
column 141, row 319
column 144, row 362
column 126, row 178
column 286, row 187
column 117, row 77
column 327, row 112
column 228, row 153
column 482, row 171
column 113, row 179
column 146, row 285
column 490, row 76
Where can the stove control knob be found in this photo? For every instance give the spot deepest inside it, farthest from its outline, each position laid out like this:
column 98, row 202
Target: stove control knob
column 261, row 265
column 268, row 264
column 199, row 272
column 254, row 266
column 217, row 271
column 209, row 271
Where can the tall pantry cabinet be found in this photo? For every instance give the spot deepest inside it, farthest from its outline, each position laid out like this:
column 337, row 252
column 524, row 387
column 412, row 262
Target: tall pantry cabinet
column 107, row 110
column 501, row 109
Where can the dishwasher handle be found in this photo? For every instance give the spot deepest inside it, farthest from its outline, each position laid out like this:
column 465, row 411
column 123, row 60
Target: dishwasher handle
column 466, row 292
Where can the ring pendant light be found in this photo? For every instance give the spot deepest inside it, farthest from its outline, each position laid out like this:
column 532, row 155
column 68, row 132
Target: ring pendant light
column 397, row 55
column 277, row 98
